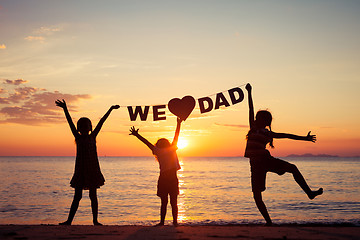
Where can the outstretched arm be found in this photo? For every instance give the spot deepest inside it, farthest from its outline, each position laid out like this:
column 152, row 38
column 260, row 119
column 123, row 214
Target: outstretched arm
column 251, row 106
column 136, row 133
column 103, row 119
column 177, row 132
column 62, row 104
column 308, row 137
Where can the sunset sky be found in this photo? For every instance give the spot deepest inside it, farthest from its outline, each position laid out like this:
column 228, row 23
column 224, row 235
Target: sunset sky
column 301, row 57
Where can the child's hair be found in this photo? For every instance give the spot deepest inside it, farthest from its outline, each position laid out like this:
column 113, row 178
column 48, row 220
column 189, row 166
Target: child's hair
column 264, row 118
column 162, row 143
column 84, row 123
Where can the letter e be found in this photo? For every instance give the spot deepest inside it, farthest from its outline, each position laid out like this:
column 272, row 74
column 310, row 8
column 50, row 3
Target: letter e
column 157, row 113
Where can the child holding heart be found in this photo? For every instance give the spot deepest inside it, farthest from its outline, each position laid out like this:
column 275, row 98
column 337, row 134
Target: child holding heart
column 168, row 184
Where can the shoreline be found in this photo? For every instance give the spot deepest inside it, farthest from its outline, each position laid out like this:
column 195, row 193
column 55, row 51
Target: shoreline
column 184, row 232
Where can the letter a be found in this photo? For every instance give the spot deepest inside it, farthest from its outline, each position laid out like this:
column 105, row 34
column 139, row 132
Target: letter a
column 221, row 100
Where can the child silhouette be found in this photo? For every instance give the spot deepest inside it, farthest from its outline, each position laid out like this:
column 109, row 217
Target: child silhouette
column 87, row 173
column 262, row 162
column 168, row 183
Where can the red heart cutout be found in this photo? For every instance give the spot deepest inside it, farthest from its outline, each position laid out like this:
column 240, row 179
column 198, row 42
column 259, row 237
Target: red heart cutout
column 182, row 107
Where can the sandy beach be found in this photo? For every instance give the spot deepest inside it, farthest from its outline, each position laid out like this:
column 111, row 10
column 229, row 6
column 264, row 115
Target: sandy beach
column 181, row 232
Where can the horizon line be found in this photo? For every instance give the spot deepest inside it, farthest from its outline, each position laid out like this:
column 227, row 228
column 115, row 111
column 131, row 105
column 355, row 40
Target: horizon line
column 306, row 155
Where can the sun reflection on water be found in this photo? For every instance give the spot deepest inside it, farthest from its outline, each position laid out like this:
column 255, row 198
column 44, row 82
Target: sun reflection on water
column 182, row 193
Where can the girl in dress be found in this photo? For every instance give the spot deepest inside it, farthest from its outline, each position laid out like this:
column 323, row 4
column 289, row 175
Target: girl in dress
column 168, row 184
column 262, row 162
column 87, row 173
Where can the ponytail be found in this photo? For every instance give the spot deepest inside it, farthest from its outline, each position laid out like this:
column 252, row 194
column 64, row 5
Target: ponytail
column 271, row 143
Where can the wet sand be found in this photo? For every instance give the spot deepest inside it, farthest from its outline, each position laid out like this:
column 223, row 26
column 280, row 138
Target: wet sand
column 181, row 232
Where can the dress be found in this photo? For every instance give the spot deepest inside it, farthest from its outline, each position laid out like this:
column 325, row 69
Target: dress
column 168, row 183
column 87, row 172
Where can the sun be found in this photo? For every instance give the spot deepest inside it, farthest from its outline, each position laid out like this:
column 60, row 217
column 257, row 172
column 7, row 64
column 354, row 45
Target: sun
column 182, row 143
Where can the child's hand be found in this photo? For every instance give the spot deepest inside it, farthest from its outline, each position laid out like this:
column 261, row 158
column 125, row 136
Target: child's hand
column 61, row 104
column 115, row 107
column 311, row 137
column 248, row 87
column 179, row 120
column 134, row 131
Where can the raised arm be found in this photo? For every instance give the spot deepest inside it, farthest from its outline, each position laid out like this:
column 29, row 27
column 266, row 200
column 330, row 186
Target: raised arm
column 62, row 104
column 102, row 120
column 308, row 137
column 251, row 106
column 135, row 132
column 177, row 132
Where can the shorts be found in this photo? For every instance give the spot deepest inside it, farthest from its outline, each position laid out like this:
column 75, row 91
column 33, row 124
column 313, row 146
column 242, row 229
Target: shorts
column 168, row 184
column 261, row 165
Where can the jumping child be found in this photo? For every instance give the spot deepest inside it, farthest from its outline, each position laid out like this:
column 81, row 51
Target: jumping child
column 262, row 162
column 87, row 173
column 168, row 183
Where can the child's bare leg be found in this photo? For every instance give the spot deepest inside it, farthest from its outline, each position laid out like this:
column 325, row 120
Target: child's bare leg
column 94, row 205
column 302, row 183
column 262, row 208
column 174, row 208
column 164, row 202
column 74, row 206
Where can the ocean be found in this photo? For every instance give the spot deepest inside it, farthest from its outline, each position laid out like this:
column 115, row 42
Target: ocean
column 36, row 190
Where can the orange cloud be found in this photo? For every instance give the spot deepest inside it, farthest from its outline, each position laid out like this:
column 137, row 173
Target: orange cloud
column 35, row 38
column 232, row 125
column 33, row 106
column 4, row 100
column 42, row 33
column 2, row 46
column 15, row 82
column 47, row 30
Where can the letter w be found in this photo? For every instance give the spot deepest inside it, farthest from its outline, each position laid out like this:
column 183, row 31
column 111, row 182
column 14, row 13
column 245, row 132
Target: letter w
column 138, row 111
